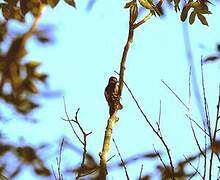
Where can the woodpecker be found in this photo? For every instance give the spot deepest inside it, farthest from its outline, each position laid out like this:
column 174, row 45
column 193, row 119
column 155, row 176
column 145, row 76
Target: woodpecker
column 112, row 95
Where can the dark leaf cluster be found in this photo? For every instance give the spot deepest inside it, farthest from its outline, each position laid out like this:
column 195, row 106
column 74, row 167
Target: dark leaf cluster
column 17, row 9
column 199, row 8
column 18, row 79
column 26, row 156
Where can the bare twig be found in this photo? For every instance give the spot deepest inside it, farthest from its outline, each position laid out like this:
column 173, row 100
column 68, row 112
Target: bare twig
column 175, row 95
column 69, row 120
column 214, row 135
column 147, row 17
column 154, row 130
column 54, row 174
column 142, row 167
column 190, row 118
column 60, row 176
column 164, row 165
column 83, row 142
column 158, row 122
column 122, row 162
column 196, row 169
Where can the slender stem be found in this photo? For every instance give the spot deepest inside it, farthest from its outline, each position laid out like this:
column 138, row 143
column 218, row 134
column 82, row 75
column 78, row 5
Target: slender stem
column 214, row 136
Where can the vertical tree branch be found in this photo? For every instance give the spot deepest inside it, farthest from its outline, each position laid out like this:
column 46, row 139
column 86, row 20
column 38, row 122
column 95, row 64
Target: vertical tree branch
column 113, row 118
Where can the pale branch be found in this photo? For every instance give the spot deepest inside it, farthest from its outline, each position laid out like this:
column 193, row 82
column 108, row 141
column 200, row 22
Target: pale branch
column 113, row 118
column 147, row 17
column 106, row 145
column 124, row 56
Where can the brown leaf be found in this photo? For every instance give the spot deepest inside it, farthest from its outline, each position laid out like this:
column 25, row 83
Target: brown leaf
column 127, row 5
column 202, row 19
column 71, row 3
column 53, row 3
column 43, row 171
column 184, row 12
column 211, row 58
column 192, row 17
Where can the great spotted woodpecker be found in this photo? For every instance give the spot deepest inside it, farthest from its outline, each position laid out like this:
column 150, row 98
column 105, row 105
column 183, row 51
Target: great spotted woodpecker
column 112, row 95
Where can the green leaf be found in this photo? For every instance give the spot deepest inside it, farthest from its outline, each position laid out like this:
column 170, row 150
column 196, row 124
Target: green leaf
column 71, row 3
column 184, row 12
column 202, row 19
column 192, row 17
column 53, row 3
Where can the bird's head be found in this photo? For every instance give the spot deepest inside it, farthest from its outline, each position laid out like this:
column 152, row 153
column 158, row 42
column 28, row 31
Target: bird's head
column 112, row 80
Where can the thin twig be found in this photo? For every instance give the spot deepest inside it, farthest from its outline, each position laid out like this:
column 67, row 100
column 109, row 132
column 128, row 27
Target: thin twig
column 69, row 120
column 147, row 17
column 190, row 118
column 122, row 162
column 175, row 95
column 54, row 174
column 164, row 165
column 84, row 134
column 197, row 142
column 158, row 122
column 193, row 166
column 60, row 176
column 154, row 130
column 142, row 167
column 214, row 135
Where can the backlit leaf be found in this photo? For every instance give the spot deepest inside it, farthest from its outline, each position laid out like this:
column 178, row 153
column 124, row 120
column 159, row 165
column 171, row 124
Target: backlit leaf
column 184, row 12
column 127, row 5
column 71, row 2
column 53, row 3
column 192, row 17
column 202, row 19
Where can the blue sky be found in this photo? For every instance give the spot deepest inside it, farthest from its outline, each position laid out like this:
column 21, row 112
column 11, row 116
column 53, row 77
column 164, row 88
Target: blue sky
column 87, row 50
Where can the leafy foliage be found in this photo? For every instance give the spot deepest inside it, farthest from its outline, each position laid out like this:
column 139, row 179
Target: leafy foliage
column 17, row 9
column 24, row 155
column 198, row 9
